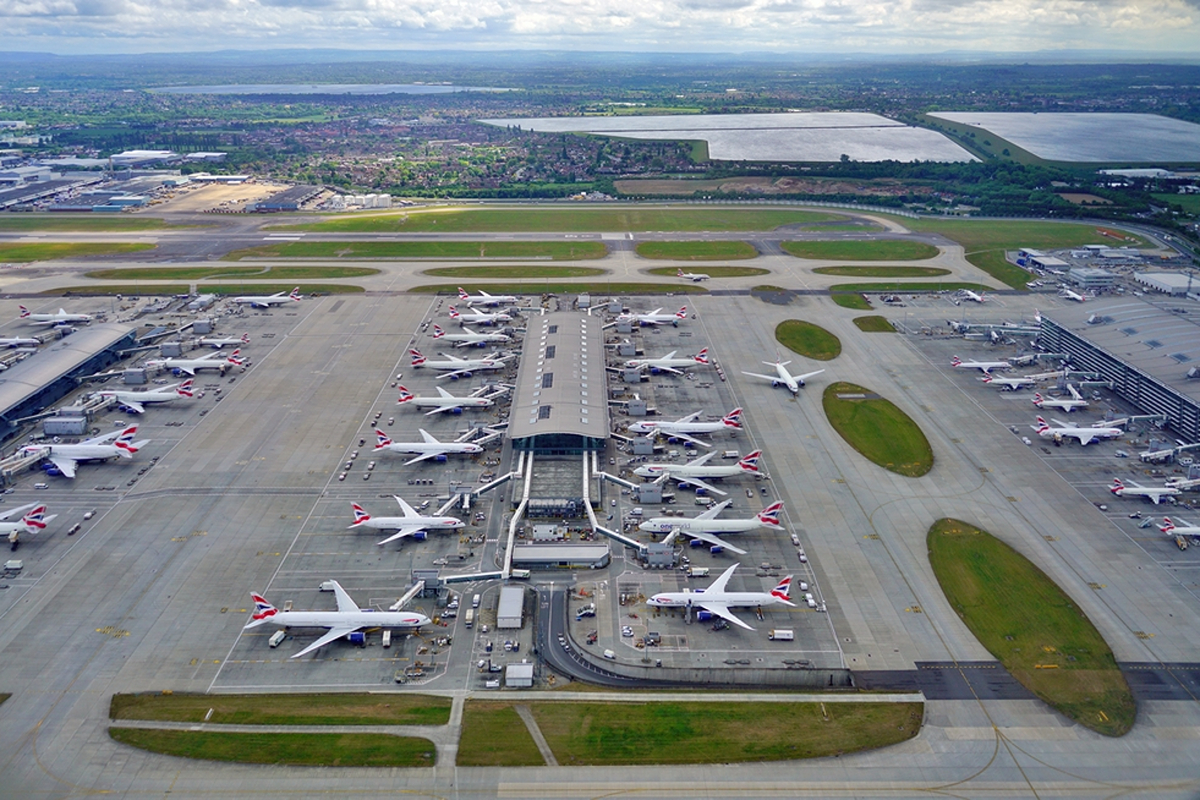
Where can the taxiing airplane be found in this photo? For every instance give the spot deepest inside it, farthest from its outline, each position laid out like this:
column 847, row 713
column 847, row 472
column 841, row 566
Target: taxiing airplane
column 66, row 457
column 967, row 294
column 478, row 317
column 61, row 318
column 706, row 525
column 669, row 363
column 1155, row 494
column 485, row 299
column 136, row 401
column 470, row 337
column 430, row 447
column 782, row 377
column 410, row 524
column 654, row 317
column 682, row 427
column 1067, row 294
column 694, row 277
column 1084, row 435
column 1185, row 529
column 348, row 618
column 1066, row 404
column 192, row 365
column 716, row 600
column 16, row 342
column 33, row 519
column 446, row 401
column 695, row 470
column 261, row 301
column 459, row 366
column 985, row 366
column 217, row 344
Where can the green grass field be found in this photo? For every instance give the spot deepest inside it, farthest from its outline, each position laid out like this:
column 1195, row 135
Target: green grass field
column 878, row 430
column 291, row 749
column 494, row 736
column 873, row 324
column 78, row 222
column 591, row 287
column 559, row 251
column 808, row 340
column 916, row 286
column 1190, row 202
column 853, row 301
column 283, row 709
column 696, row 251
column 883, row 272
column 575, row 219
column 229, row 273
column 50, row 251
column 715, row 272
column 1034, row 628
column 881, row 250
column 514, row 272
column 109, row 289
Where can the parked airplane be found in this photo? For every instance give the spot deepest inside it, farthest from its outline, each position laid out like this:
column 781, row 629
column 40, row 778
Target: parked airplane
column 967, row 294
column 669, row 363
column 260, row 301
column 459, row 366
column 694, row 277
column 485, row 299
column 470, row 337
column 430, row 447
column 1185, row 529
column 61, row 318
column 66, row 457
column 1155, row 494
column 1066, row 404
column 136, row 401
column 1084, row 435
column 782, row 377
column 15, row 342
column 654, row 317
column 1011, row 384
column 33, row 520
column 1067, row 294
column 682, row 427
column 985, row 366
column 348, row 618
column 217, row 344
column 478, row 317
column 693, row 471
column 447, row 401
column 410, row 524
column 706, row 525
column 192, row 365
column 716, row 600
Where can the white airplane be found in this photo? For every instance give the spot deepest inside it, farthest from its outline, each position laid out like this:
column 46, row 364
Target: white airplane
column 669, row 363
column 470, row 337
column 61, row 318
column 694, row 277
column 1186, row 529
column 1012, row 384
column 1067, row 294
column 485, row 299
column 217, row 344
column 652, row 318
column 348, row 618
column 261, row 301
column 410, row 524
column 447, row 401
column 192, row 365
column 682, row 427
column 967, row 294
column 1084, row 435
column 716, row 600
column 1155, row 494
column 985, row 366
column 429, row 448
column 16, row 342
column 706, row 525
column 136, row 401
column 693, row 471
column 478, row 317
column 459, row 366
column 782, row 377
column 66, row 457
column 1066, row 404
column 35, row 521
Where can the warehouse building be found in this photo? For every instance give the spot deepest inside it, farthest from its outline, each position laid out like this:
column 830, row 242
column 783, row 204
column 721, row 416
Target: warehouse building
column 289, row 199
column 1176, row 284
column 510, row 612
column 561, row 556
column 1091, row 278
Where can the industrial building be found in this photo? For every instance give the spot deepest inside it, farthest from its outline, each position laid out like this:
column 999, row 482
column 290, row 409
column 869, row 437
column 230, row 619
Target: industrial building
column 1176, row 284
column 561, row 556
column 1091, row 278
column 510, row 612
column 289, row 199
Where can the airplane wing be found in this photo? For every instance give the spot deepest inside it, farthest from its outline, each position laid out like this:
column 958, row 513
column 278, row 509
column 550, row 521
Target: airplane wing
column 400, row 534
column 439, row 410
column 701, row 461
column 17, row 512
column 1156, row 497
column 806, row 376
column 1074, row 392
column 719, row 584
column 428, row 437
column 1085, row 437
column 446, row 395
column 697, row 482
column 424, row 456
column 189, row 370
column 333, row 635
column 678, row 435
column 134, row 406
column 65, row 465
column 711, row 539
column 764, row 377
column 454, row 373
column 408, row 510
column 344, row 603
column 717, row 509
column 724, row 613
column 662, row 368
column 104, row 438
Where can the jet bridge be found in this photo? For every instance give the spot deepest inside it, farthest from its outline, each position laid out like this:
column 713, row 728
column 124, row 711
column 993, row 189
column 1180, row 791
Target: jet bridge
column 587, row 504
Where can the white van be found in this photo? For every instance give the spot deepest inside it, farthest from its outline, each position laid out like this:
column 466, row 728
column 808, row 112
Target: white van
column 609, row 654
column 276, row 638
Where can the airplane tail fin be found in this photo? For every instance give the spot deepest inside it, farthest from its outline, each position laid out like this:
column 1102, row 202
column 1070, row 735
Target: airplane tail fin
column 437, row 331
column 24, row 311
column 701, row 357
column 462, row 293
column 681, row 313
column 263, row 610
column 987, row 378
column 1037, row 399
column 405, row 395
column 360, row 516
column 124, row 442
column 245, row 338
column 770, row 514
column 679, row 273
column 955, row 361
column 295, row 295
column 184, row 389
column 381, row 439
column 1167, row 525
column 417, row 358
column 1117, row 486
column 233, row 358
column 36, row 519
column 750, row 462
column 783, row 590
column 1041, row 425
column 733, row 419
column 454, row 313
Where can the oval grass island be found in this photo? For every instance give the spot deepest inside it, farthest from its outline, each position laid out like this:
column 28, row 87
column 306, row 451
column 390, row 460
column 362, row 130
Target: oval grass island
column 877, row 429
column 1031, row 626
column 808, row 340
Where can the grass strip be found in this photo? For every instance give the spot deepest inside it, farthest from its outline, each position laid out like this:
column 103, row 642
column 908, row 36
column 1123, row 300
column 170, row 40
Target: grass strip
column 808, row 340
column 696, row 251
column 107, row 289
column 49, row 251
column 874, row 324
column 283, row 709
column 715, row 272
column 589, row 287
column 560, row 251
column 853, row 301
column 494, row 736
column 916, row 286
column 883, row 272
column 513, row 273
column 878, row 430
column 227, row 272
column 1032, row 626
column 876, row 250
column 78, row 222
column 290, row 749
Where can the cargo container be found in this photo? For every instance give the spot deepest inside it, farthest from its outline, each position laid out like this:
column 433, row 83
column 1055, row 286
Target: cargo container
column 781, row 635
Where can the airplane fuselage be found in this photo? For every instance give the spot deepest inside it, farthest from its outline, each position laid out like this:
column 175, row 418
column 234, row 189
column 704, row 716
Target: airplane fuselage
column 685, row 526
column 669, row 428
column 421, row 448
column 339, row 619
column 189, row 364
column 727, row 599
column 683, row 471
column 396, row 523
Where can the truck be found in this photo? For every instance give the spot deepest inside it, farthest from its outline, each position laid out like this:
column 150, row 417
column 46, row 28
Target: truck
column 520, row 574
column 475, row 601
column 731, row 454
column 276, row 638
column 469, row 618
column 697, row 572
column 387, row 639
column 781, row 635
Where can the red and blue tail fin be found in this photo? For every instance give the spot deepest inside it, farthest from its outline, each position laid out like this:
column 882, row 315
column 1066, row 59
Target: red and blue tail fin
column 750, row 462
column 125, row 440
column 733, row 419
column 782, row 591
column 245, row 338
column 437, row 331
column 405, row 395
column 770, row 514
column 35, row 518
column 295, row 295
column 417, row 358
column 262, row 609
column 360, row 516
column 233, row 358
column 462, row 294
column 381, row 439
column 701, row 357
column 681, row 313
column 454, row 313
column 184, row 389
column 955, row 361
column 24, row 311
column 1167, row 525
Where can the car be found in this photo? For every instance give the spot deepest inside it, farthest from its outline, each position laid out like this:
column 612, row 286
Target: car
column 342, row 477
column 41, row 486
column 749, row 493
column 89, row 514
column 626, row 631
column 370, row 465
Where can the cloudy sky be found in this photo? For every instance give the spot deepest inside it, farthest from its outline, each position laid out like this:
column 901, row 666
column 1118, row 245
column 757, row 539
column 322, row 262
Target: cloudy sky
column 871, row 26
